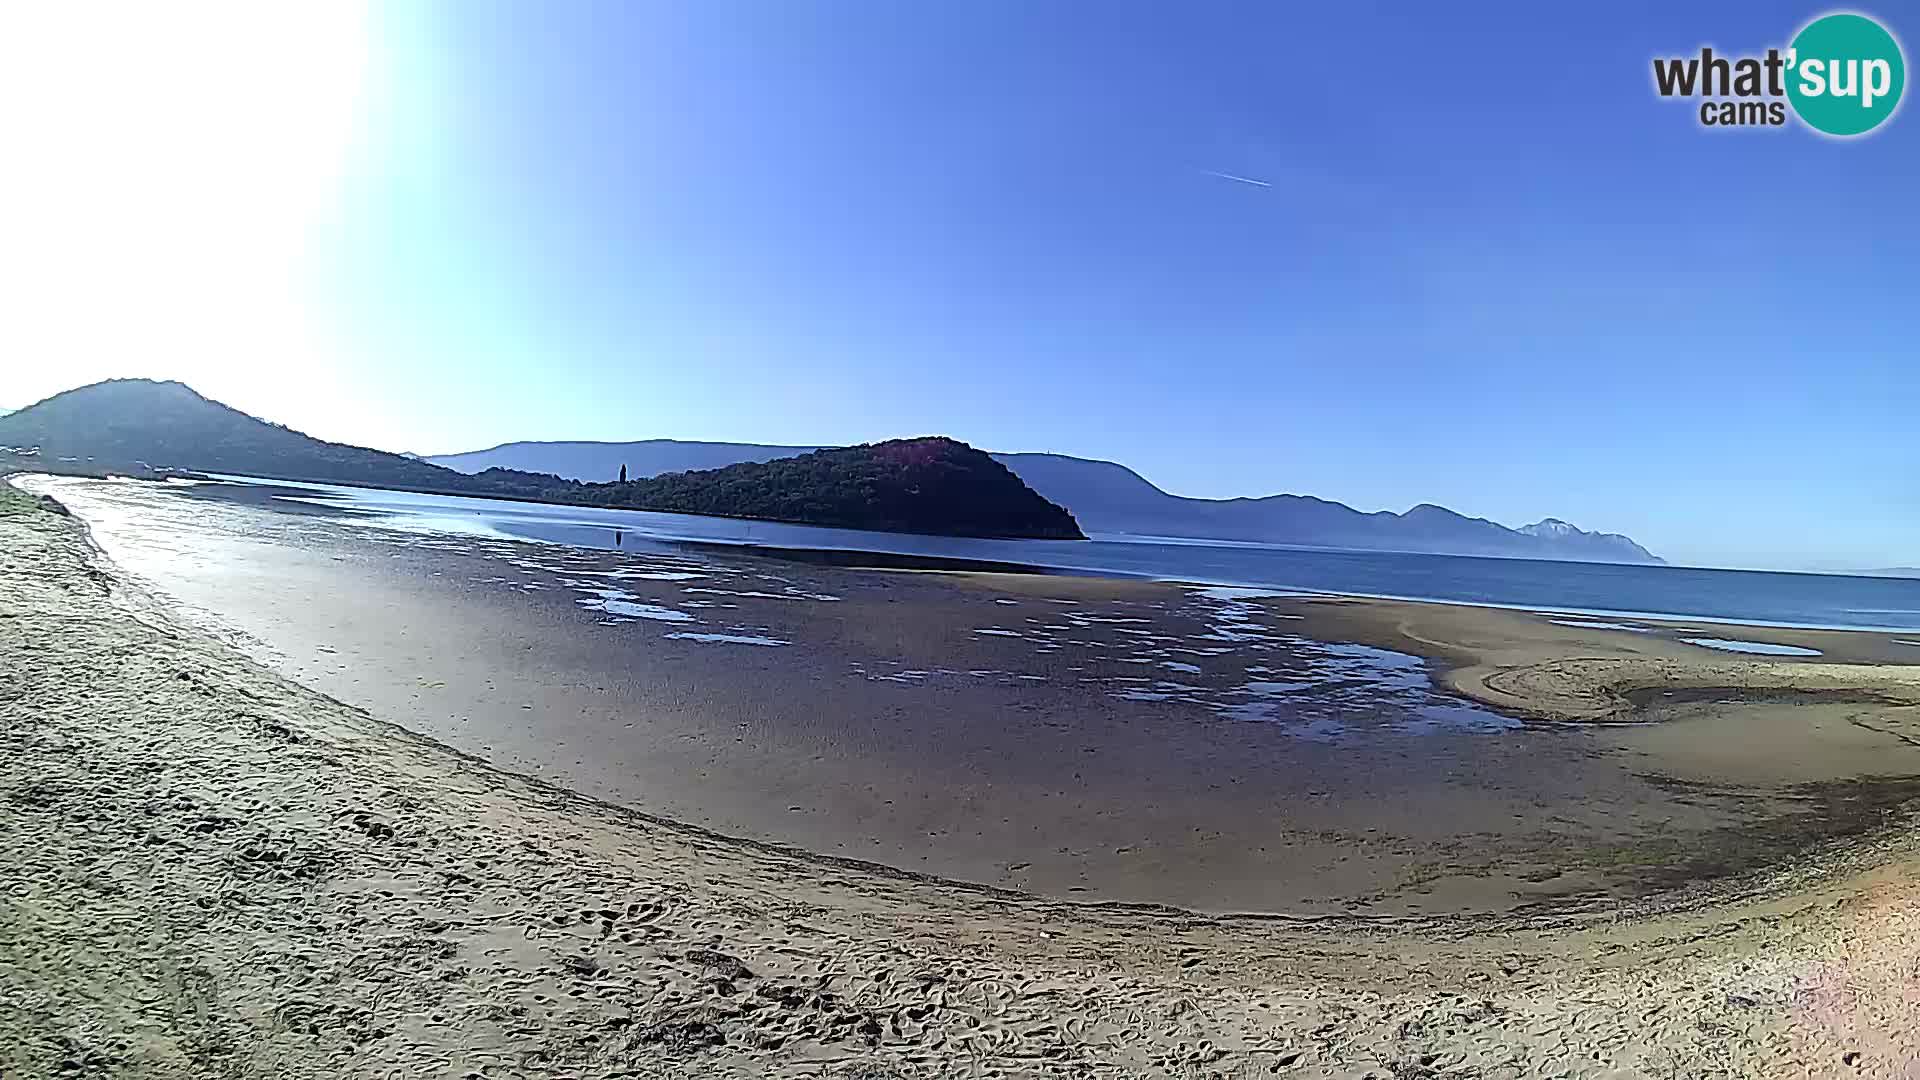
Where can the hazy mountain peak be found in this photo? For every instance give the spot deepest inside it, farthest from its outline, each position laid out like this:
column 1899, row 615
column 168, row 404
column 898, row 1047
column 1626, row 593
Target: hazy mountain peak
column 592, row 462
column 1106, row 496
column 148, row 422
column 927, row 485
column 931, row 484
column 139, row 423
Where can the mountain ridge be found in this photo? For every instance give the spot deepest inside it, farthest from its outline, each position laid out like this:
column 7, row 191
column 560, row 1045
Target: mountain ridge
column 1106, row 496
column 931, row 485
column 582, row 459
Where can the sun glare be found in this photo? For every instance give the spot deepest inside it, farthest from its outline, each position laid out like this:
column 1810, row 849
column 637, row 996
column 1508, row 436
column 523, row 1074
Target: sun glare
column 166, row 167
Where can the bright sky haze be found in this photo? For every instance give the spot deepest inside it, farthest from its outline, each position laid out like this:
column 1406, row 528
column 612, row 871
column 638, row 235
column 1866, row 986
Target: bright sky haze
column 1384, row 254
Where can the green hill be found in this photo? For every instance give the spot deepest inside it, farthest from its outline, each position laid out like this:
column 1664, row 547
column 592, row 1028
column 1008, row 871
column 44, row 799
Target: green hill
column 932, row 485
column 136, row 424
column 929, row 485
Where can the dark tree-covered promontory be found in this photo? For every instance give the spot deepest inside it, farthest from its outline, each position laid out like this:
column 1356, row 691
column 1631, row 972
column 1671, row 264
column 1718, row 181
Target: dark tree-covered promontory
column 928, row 485
column 931, row 485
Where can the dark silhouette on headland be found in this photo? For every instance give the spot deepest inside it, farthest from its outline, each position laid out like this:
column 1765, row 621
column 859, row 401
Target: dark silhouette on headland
column 1105, row 496
column 931, row 485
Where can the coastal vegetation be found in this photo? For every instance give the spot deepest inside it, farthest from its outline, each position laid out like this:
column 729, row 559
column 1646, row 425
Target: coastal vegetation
column 928, row 485
column 145, row 428
column 1106, row 496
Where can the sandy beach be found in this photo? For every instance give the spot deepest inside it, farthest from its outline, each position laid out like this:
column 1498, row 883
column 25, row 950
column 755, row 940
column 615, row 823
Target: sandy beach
column 342, row 839
column 1218, row 750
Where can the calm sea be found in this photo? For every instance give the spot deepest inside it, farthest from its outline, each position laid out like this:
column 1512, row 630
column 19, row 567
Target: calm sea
column 1746, row 596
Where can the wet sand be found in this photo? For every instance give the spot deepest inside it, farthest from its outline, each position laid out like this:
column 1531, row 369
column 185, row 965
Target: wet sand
column 1083, row 739
column 214, row 871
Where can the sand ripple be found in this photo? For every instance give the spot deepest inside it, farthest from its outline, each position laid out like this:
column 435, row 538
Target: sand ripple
column 211, row 871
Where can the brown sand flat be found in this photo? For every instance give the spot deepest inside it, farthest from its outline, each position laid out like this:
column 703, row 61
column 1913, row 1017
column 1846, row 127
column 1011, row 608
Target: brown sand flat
column 1078, row 738
column 211, row 870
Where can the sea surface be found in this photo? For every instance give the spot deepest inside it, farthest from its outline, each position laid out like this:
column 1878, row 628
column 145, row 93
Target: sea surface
column 1761, row 598
column 1058, row 734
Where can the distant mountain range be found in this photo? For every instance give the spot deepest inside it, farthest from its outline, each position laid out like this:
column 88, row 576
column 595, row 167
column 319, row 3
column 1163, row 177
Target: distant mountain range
column 132, row 425
column 1111, row 498
column 595, row 461
column 932, row 485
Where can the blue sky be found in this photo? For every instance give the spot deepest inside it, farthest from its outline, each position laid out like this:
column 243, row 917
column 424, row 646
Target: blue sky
column 1485, row 266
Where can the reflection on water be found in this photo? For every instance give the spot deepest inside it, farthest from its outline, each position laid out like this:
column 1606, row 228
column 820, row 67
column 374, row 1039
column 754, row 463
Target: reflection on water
column 1595, row 624
column 1567, row 588
column 627, row 606
column 1765, row 648
column 789, row 593
column 1239, row 666
column 727, row 639
column 1216, row 651
column 1328, row 691
column 1203, row 652
column 645, row 574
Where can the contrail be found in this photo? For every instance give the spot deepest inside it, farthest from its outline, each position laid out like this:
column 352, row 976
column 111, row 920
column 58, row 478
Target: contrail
column 1237, row 179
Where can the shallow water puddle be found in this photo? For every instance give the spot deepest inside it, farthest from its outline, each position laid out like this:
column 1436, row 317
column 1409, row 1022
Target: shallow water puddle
column 1763, row 648
column 726, row 639
column 620, row 602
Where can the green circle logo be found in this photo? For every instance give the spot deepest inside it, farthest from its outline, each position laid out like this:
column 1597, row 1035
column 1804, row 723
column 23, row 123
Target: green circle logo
column 1845, row 74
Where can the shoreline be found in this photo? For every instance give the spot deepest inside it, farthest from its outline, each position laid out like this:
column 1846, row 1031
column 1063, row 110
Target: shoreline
column 854, row 555
column 1545, row 611
column 508, row 921
column 1194, row 801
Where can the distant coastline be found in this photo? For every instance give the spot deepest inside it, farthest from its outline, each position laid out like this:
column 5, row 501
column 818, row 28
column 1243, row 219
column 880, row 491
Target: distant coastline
column 1107, row 497
column 931, row 485
column 1757, row 598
